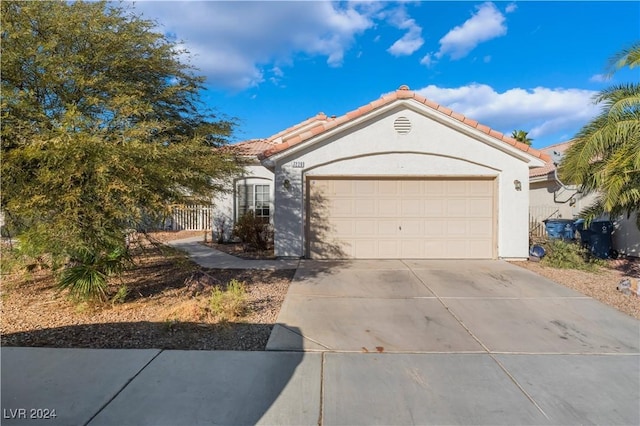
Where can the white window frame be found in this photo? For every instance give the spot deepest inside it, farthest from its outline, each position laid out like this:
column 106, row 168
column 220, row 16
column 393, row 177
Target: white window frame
column 254, row 197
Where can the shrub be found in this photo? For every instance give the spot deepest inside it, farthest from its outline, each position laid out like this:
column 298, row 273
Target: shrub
column 253, row 231
column 231, row 303
column 87, row 273
column 121, row 295
column 569, row 255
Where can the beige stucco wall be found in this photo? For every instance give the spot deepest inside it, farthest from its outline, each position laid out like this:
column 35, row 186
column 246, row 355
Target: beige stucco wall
column 431, row 149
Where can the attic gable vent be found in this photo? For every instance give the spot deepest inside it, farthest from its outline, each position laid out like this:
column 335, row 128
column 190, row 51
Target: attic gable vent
column 402, row 125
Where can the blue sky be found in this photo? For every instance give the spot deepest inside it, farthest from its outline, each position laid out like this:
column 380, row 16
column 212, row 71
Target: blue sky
column 510, row 65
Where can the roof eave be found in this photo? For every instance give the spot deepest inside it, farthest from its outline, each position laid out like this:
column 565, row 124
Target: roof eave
column 438, row 116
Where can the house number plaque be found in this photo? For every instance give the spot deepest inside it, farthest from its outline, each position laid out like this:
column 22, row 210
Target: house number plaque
column 298, row 164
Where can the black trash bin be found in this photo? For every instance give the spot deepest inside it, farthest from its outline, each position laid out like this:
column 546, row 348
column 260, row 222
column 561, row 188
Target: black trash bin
column 597, row 237
column 560, row 229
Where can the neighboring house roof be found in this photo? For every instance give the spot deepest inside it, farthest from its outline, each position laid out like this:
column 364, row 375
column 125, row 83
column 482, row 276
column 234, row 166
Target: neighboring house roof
column 319, row 124
column 549, row 167
column 250, row 148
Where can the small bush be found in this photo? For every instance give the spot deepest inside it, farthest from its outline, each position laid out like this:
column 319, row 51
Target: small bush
column 121, row 295
column 11, row 261
column 231, row 303
column 569, row 255
column 86, row 274
column 253, row 231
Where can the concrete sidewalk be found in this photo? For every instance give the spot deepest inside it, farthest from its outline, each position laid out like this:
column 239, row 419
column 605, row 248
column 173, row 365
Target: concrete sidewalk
column 209, row 257
column 154, row 387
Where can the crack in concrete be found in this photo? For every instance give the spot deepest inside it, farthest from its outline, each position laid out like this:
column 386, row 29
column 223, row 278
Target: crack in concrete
column 123, row 387
column 488, row 351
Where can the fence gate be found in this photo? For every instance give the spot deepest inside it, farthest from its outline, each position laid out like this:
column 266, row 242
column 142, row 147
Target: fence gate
column 191, row 218
column 537, row 216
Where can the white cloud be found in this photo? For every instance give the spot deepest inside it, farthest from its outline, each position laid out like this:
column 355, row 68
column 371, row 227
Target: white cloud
column 511, row 7
column 599, row 78
column 541, row 111
column 412, row 40
column 487, row 23
column 427, row 60
column 232, row 41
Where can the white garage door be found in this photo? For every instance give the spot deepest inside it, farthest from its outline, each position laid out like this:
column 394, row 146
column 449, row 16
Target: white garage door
column 407, row 218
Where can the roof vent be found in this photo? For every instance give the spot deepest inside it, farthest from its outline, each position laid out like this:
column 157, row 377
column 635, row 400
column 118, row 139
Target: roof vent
column 402, row 125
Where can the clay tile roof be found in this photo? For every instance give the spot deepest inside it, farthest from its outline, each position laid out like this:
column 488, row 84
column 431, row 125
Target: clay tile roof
column 291, row 137
column 319, row 117
column 250, row 148
column 549, row 167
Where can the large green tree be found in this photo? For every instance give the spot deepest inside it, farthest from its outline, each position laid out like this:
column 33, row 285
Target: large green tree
column 604, row 157
column 102, row 129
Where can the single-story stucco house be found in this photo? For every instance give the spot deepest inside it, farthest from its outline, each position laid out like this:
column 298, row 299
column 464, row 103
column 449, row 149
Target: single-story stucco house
column 400, row 177
column 550, row 198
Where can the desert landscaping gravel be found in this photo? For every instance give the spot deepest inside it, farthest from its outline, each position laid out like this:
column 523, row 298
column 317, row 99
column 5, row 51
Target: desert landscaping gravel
column 599, row 285
column 159, row 312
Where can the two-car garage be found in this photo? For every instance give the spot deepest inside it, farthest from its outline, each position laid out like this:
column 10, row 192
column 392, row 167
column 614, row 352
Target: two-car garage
column 400, row 178
column 395, row 218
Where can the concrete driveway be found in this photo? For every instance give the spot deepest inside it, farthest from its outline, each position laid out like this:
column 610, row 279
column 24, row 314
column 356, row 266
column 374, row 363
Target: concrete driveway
column 460, row 342
column 434, row 306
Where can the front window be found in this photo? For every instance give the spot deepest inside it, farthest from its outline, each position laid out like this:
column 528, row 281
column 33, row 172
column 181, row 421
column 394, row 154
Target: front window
column 254, row 198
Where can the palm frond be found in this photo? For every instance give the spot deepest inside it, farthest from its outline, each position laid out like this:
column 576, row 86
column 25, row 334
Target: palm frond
column 627, row 57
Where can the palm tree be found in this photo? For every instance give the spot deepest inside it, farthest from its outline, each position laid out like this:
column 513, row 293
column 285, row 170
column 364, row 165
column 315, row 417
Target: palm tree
column 522, row 136
column 605, row 155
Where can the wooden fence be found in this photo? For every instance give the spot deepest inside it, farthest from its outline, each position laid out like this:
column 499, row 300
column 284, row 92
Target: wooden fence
column 537, row 216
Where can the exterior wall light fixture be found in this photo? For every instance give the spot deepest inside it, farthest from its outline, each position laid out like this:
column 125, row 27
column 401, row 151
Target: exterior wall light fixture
column 518, row 185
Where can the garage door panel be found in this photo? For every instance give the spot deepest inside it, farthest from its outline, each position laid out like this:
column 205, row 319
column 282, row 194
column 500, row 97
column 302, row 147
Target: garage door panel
column 366, row 249
column 388, row 249
column 387, row 228
column 388, row 187
column 342, row 207
column 456, row 188
column 388, row 208
column 342, row 227
column 411, row 187
column 456, row 208
column 412, row 208
column 434, row 207
column 480, row 207
column 435, row 187
column 342, row 188
column 412, row 218
column 412, row 228
column 435, row 228
column 456, row 228
column 480, row 228
column 364, row 206
column 481, row 187
column 409, row 248
column 366, row 187
column 365, row 228
column 477, row 248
